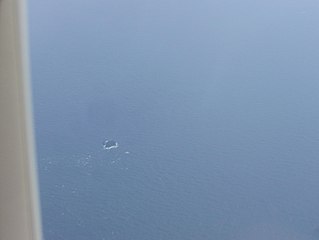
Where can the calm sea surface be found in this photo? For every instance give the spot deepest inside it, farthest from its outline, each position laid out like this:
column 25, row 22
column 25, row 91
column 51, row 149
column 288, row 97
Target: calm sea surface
column 214, row 105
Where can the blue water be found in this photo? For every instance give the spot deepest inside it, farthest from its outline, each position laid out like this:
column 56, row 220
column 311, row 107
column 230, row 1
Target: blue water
column 214, row 105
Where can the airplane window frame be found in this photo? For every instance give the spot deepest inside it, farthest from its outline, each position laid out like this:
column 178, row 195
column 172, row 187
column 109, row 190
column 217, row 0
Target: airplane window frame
column 19, row 201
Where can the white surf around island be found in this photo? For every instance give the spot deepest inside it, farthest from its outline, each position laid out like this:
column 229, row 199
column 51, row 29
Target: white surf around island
column 110, row 144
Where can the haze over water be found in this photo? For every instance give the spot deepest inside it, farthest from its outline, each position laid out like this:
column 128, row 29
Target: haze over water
column 214, row 105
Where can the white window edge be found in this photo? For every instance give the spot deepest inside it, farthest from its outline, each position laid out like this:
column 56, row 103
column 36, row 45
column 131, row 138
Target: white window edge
column 19, row 201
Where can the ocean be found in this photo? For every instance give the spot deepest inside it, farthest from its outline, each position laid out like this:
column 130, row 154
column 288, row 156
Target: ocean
column 213, row 104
